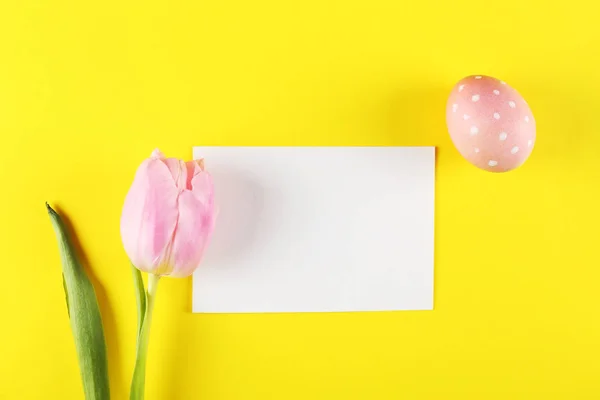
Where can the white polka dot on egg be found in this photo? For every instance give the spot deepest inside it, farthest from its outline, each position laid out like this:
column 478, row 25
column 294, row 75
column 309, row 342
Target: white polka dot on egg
column 492, row 163
column 454, row 107
column 475, row 98
column 496, row 115
column 496, row 92
column 502, row 136
column 514, row 150
column 474, row 130
column 512, row 104
column 461, row 87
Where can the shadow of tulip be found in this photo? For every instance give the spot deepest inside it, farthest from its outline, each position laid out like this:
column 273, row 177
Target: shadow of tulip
column 175, row 338
column 108, row 319
column 240, row 203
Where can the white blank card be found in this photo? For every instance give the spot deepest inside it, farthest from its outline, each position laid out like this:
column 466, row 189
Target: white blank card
column 319, row 229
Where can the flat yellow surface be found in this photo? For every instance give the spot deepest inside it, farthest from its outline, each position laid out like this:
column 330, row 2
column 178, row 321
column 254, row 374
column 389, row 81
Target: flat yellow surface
column 89, row 88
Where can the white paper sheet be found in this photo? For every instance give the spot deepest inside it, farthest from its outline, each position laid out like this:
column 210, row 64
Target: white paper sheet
column 319, row 229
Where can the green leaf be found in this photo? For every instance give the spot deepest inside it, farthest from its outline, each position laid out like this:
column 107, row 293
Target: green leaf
column 84, row 313
column 66, row 295
column 140, row 294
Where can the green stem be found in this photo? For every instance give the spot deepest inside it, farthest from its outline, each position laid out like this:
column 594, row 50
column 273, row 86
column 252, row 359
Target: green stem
column 139, row 372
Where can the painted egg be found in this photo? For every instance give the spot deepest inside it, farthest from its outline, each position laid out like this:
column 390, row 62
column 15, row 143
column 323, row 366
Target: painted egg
column 490, row 124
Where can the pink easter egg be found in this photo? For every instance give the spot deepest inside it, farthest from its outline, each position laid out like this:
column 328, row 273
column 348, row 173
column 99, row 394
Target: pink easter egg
column 490, row 123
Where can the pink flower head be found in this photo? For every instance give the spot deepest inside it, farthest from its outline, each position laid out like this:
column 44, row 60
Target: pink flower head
column 168, row 216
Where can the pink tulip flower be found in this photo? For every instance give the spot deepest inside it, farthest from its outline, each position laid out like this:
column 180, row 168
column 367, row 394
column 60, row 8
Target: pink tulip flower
column 168, row 216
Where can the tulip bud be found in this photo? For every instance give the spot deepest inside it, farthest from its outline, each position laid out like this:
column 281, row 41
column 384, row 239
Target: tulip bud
column 168, row 216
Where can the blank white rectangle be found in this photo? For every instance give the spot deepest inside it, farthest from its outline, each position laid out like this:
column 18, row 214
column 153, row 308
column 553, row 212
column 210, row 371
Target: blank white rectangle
column 319, row 229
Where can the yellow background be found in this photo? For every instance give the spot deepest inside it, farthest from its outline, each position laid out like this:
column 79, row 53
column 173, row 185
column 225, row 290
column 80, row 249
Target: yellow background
column 88, row 89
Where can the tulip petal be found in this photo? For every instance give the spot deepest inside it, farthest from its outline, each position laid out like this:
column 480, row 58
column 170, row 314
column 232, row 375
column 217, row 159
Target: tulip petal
column 194, row 227
column 194, row 168
column 202, row 188
column 149, row 215
column 157, row 154
column 178, row 171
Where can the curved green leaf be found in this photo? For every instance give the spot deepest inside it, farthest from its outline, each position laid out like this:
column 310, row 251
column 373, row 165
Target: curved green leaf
column 66, row 295
column 140, row 296
column 84, row 313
